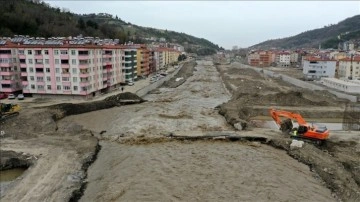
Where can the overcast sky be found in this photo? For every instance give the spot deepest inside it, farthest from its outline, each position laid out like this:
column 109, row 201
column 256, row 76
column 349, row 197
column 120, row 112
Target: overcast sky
column 226, row 23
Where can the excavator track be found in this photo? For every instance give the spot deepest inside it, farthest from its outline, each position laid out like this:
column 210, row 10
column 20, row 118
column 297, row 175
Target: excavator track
column 8, row 116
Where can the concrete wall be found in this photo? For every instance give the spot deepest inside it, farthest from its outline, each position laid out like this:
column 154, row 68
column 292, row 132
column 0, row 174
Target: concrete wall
column 142, row 92
column 304, row 84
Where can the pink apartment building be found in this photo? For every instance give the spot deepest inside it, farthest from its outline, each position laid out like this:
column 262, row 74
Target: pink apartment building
column 78, row 70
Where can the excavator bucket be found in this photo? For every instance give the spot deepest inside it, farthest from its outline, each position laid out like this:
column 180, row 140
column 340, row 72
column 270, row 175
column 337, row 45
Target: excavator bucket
column 286, row 126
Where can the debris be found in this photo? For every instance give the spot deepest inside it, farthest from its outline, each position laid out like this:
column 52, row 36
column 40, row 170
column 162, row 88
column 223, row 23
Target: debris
column 296, row 144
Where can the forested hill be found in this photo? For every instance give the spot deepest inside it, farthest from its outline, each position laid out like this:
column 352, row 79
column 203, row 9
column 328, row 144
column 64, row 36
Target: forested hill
column 37, row 18
column 328, row 36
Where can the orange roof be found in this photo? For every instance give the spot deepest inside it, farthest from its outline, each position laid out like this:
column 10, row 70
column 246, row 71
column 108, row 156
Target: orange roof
column 355, row 59
column 317, row 59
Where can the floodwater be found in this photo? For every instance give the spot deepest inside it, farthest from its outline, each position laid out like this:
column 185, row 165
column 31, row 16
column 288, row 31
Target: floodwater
column 11, row 174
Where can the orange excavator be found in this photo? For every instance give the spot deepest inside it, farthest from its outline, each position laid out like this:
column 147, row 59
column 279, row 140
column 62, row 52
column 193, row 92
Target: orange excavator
column 305, row 130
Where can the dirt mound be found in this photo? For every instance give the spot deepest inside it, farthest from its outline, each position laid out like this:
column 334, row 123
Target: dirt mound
column 67, row 109
column 185, row 72
column 11, row 159
column 337, row 167
column 124, row 96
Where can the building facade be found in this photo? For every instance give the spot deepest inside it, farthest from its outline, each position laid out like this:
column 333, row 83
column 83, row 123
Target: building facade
column 349, row 68
column 316, row 68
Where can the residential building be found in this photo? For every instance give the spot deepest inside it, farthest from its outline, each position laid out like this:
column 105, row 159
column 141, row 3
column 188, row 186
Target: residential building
column 283, row 59
column 317, row 68
column 130, row 63
column 143, row 60
column 60, row 67
column 349, row 68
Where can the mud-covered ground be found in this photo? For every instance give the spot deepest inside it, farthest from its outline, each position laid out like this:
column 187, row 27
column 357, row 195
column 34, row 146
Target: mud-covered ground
column 140, row 160
column 137, row 163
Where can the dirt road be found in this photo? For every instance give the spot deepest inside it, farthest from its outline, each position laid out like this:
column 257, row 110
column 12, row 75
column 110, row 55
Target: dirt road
column 187, row 171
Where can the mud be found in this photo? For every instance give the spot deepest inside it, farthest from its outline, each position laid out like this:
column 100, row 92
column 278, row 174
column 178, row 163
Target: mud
column 185, row 72
column 200, row 171
column 11, row 159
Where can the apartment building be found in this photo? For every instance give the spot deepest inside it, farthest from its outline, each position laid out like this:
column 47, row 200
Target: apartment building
column 349, row 68
column 10, row 69
column 143, row 62
column 130, row 62
column 317, row 68
column 283, row 59
column 60, row 67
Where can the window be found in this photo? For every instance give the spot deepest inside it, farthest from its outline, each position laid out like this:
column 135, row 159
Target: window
column 64, row 61
column 73, row 52
column 67, row 88
column 48, row 78
column 31, row 69
column 63, row 52
column 65, row 79
column 48, row 87
column 47, row 69
column 57, row 61
column 74, row 71
column 73, row 61
column 75, row 88
column 40, row 87
column 37, row 52
column 58, row 87
column 58, row 79
column 29, row 52
column 31, row 78
column 21, row 52
column 56, row 52
column 46, row 61
column 32, row 86
column 74, row 79
column 40, row 79
column 46, row 52
column 30, row 61
column 57, row 70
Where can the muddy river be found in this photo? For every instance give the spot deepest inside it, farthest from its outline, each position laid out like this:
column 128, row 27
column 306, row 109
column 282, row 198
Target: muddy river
column 188, row 171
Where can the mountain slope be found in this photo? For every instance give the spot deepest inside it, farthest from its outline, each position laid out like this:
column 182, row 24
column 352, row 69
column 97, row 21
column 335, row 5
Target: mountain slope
column 314, row 37
column 37, row 18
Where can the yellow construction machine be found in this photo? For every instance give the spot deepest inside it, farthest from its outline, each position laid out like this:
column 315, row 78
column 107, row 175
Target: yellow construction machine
column 8, row 110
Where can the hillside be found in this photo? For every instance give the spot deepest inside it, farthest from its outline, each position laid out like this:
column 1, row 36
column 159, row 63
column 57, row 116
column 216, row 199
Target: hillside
column 39, row 19
column 326, row 36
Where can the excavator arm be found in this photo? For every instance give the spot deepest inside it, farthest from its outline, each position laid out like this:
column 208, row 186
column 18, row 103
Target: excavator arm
column 276, row 114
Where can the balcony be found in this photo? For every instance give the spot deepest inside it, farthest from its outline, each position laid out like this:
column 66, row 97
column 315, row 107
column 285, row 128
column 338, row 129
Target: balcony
column 83, row 66
column 83, row 57
column 84, row 75
column 39, row 65
column 41, row 83
column 23, row 65
column 65, row 66
column 10, row 81
column 6, row 73
column 25, row 83
column 84, row 83
column 6, row 64
column 24, row 74
column 38, row 57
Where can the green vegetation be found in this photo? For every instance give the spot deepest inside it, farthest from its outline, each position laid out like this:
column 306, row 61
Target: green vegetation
column 313, row 38
column 37, row 18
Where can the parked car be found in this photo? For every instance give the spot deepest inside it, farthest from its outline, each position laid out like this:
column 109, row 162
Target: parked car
column 11, row 96
column 3, row 96
column 20, row 97
column 130, row 83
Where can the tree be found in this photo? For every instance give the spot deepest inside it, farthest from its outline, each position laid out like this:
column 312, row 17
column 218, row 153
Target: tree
column 81, row 24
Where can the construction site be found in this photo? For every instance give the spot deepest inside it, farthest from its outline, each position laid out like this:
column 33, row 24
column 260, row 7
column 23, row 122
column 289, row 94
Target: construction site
column 208, row 136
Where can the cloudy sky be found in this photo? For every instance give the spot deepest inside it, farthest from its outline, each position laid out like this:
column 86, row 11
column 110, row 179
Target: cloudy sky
column 226, row 23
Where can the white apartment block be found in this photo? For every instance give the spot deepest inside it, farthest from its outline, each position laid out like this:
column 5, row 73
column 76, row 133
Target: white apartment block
column 316, row 68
